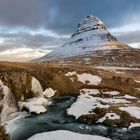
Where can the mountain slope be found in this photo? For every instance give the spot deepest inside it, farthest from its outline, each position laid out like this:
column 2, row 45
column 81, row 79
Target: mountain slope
column 91, row 35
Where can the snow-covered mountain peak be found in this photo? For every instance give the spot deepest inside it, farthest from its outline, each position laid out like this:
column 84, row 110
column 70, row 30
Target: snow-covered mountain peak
column 91, row 35
column 90, row 23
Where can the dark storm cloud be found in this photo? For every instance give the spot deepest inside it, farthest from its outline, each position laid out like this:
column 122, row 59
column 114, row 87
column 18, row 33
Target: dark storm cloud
column 15, row 13
column 63, row 15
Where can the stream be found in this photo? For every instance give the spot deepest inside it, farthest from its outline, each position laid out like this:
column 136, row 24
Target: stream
column 56, row 119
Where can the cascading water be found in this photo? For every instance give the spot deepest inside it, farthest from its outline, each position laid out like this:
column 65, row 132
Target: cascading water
column 36, row 87
column 8, row 104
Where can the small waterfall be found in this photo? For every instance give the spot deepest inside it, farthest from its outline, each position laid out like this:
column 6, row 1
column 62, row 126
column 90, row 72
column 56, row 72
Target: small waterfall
column 37, row 88
column 7, row 103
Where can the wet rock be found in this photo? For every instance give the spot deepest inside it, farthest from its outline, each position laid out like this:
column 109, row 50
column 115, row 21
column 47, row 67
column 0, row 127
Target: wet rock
column 89, row 118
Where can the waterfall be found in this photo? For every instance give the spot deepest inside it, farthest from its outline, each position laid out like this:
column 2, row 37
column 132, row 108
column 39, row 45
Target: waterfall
column 7, row 103
column 37, row 88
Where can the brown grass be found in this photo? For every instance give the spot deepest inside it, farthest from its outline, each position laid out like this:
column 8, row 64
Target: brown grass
column 52, row 75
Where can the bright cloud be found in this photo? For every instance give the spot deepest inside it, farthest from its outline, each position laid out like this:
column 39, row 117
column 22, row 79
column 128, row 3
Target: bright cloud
column 21, row 54
column 135, row 45
column 126, row 28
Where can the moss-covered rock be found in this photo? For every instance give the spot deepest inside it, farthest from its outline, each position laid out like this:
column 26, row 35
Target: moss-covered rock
column 89, row 118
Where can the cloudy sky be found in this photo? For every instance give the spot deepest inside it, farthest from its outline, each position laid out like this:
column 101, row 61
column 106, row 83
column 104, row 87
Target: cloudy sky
column 31, row 28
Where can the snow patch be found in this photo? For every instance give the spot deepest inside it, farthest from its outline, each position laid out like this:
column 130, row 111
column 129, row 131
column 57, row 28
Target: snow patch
column 91, row 79
column 49, row 92
column 65, row 135
column 129, row 97
column 86, row 78
column 112, row 92
column 132, row 110
column 126, row 96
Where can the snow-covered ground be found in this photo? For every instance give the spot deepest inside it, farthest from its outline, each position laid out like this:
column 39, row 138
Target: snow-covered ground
column 90, row 99
column 86, row 102
column 90, row 79
column 65, row 135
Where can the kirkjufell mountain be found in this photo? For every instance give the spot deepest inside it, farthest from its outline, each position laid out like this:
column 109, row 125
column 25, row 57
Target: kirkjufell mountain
column 92, row 44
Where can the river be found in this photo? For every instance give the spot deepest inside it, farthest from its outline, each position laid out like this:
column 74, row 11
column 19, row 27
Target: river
column 56, row 119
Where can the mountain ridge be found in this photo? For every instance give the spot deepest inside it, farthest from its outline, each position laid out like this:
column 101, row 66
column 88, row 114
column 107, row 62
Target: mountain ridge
column 91, row 35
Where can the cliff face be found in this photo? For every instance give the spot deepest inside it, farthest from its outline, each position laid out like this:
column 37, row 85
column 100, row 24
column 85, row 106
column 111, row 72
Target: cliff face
column 19, row 84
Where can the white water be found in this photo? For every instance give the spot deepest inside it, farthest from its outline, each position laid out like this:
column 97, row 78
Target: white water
column 37, row 88
column 8, row 103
